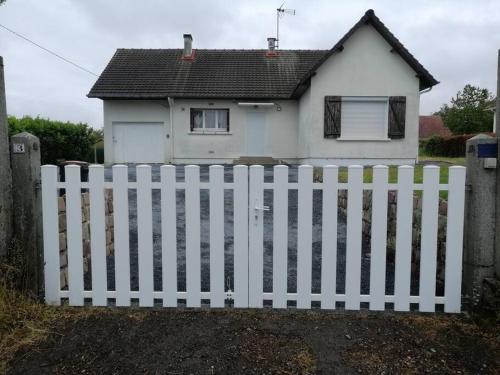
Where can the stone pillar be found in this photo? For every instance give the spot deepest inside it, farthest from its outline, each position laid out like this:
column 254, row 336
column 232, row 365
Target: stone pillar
column 5, row 173
column 25, row 159
column 480, row 219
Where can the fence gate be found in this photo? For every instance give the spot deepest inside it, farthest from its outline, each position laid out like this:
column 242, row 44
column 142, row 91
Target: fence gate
column 347, row 266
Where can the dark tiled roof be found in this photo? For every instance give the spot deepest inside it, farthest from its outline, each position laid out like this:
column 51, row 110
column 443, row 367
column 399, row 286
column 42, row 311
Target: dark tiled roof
column 432, row 125
column 159, row 73
column 237, row 74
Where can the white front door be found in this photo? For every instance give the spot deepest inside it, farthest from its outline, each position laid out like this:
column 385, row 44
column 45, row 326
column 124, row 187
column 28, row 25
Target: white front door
column 256, row 134
column 135, row 142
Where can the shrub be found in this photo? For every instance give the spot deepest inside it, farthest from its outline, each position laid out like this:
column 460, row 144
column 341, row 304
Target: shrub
column 58, row 140
column 453, row 146
column 432, row 145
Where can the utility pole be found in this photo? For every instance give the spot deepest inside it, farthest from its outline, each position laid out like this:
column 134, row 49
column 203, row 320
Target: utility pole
column 5, row 172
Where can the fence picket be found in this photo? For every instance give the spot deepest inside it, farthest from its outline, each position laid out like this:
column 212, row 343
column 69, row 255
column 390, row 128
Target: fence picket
column 353, row 237
column 51, row 234
column 240, row 217
column 404, row 216
column 74, row 234
column 280, row 236
column 428, row 242
column 168, row 235
column 304, row 237
column 193, row 254
column 121, row 235
column 454, row 240
column 329, row 237
column 256, row 236
column 216, row 236
column 97, row 235
column 145, row 235
column 378, row 237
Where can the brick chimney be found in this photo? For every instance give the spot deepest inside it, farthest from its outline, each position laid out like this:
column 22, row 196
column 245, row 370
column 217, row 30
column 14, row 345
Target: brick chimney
column 188, row 47
column 271, row 47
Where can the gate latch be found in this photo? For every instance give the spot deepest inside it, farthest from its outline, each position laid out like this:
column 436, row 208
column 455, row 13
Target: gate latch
column 263, row 208
column 257, row 209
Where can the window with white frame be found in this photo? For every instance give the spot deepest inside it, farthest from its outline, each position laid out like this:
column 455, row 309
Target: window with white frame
column 364, row 117
column 209, row 119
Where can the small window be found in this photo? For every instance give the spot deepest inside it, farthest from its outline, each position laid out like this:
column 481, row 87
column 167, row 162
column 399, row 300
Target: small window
column 210, row 119
column 364, row 118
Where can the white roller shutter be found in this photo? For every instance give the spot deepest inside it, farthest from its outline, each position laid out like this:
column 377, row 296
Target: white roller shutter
column 364, row 118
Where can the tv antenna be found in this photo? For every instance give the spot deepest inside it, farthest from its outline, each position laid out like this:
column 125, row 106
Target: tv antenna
column 280, row 13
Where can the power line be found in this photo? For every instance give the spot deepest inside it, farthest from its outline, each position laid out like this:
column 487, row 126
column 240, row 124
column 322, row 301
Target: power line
column 49, row 51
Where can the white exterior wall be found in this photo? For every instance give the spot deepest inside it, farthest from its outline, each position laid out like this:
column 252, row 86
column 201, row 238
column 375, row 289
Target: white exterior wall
column 366, row 67
column 304, row 141
column 133, row 111
column 280, row 139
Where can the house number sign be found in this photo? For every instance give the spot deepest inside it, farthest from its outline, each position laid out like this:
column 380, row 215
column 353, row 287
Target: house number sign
column 18, row 148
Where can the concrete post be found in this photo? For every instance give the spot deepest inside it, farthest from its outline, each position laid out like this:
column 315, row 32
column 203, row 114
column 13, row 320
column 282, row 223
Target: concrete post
column 480, row 219
column 25, row 158
column 5, row 173
column 497, row 115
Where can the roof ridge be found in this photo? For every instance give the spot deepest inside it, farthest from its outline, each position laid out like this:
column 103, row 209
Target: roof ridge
column 225, row 49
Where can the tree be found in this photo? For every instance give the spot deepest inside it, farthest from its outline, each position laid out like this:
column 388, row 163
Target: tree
column 468, row 111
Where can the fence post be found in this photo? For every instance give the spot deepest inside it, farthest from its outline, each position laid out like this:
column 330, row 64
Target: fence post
column 5, row 173
column 480, row 221
column 25, row 159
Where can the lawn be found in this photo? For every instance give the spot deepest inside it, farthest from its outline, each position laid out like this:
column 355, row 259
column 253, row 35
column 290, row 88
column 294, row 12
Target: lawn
column 444, row 163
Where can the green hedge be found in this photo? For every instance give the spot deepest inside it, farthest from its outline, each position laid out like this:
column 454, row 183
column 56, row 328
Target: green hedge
column 58, row 140
column 453, row 146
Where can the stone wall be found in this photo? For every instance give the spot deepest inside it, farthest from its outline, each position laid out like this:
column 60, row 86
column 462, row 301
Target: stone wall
column 63, row 248
column 391, row 227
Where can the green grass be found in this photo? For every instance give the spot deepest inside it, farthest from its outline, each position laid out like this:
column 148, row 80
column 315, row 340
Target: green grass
column 444, row 163
column 393, row 174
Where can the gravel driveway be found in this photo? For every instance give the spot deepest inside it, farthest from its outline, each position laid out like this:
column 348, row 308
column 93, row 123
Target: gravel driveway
column 228, row 230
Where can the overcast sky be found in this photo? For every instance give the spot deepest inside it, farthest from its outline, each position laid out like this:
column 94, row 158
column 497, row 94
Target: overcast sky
column 457, row 41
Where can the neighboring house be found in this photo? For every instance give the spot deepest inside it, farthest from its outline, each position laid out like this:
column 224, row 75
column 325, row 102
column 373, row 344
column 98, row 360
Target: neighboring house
column 432, row 125
column 355, row 103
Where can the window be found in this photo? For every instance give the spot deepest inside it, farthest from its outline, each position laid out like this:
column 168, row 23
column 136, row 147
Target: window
column 209, row 119
column 364, row 118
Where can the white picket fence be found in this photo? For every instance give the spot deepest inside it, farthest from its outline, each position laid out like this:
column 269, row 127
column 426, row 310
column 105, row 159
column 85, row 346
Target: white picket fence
column 248, row 191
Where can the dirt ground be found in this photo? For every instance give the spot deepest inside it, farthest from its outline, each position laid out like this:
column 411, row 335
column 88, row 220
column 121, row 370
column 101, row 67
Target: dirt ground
column 113, row 341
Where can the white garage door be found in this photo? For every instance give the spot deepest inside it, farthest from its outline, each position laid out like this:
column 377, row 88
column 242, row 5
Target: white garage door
column 135, row 142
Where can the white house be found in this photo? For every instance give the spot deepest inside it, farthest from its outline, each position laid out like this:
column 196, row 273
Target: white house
column 355, row 103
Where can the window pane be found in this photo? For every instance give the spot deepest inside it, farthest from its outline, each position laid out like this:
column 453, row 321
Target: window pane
column 363, row 119
column 209, row 119
column 197, row 119
column 222, row 118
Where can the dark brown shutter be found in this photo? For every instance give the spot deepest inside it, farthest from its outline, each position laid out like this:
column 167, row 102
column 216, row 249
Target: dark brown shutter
column 397, row 115
column 227, row 112
column 333, row 105
column 192, row 119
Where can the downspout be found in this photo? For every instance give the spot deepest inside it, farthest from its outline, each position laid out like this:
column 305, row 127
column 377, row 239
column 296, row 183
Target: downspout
column 171, row 107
